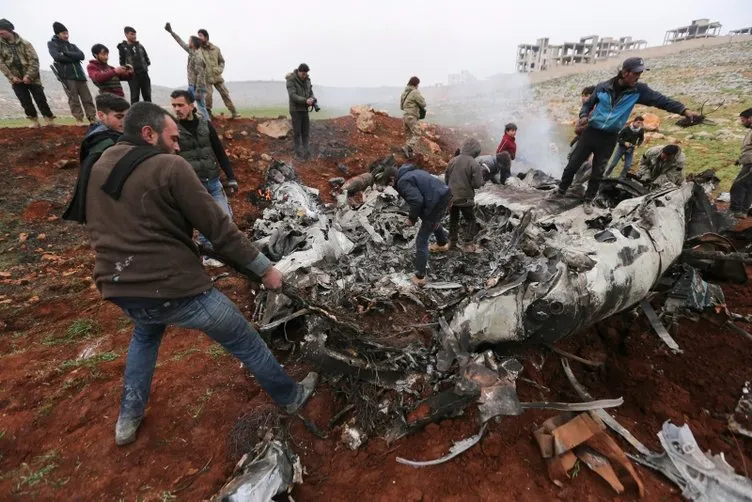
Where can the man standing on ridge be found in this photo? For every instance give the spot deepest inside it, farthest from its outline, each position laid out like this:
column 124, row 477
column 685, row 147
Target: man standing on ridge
column 143, row 202
column 611, row 104
column 413, row 106
column 215, row 66
column 197, row 83
column 201, row 147
column 300, row 92
column 68, row 59
column 20, row 65
column 133, row 55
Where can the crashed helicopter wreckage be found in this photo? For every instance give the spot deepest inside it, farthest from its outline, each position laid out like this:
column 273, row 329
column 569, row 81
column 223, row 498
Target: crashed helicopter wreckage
column 411, row 356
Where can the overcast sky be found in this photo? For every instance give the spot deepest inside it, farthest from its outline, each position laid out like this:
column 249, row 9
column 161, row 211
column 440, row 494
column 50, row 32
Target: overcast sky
column 355, row 42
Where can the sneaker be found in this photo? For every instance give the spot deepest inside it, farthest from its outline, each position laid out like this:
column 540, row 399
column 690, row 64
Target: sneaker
column 211, row 262
column 50, row 121
column 34, row 122
column 437, row 248
column 587, row 206
column 125, row 430
column 234, row 116
column 305, row 389
column 79, row 122
column 419, row 281
column 556, row 194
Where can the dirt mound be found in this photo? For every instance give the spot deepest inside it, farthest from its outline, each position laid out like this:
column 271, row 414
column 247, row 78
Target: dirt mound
column 58, row 409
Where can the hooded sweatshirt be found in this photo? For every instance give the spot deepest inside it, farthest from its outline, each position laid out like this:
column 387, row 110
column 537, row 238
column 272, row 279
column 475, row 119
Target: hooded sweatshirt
column 508, row 144
column 105, row 78
column 464, row 175
column 423, row 192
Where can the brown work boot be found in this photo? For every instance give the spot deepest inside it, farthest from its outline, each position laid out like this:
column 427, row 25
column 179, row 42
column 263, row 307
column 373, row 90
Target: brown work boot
column 435, row 247
column 419, row 281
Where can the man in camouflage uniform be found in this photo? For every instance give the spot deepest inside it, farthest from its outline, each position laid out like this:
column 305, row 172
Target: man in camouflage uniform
column 197, row 83
column 215, row 66
column 20, row 65
column 662, row 164
column 411, row 104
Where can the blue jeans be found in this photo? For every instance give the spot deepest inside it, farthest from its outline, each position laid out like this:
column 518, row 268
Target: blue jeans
column 214, row 314
column 200, row 96
column 214, row 187
column 421, row 244
column 620, row 152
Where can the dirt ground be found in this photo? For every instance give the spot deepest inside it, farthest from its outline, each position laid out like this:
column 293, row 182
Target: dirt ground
column 57, row 413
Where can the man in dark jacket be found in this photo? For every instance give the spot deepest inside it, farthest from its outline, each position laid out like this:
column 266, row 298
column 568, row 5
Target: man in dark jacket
column 68, row 59
column 133, row 55
column 495, row 168
column 629, row 138
column 300, row 91
column 143, row 204
column 463, row 176
column 201, row 147
column 608, row 110
column 104, row 76
column 19, row 63
column 428, row 199
column 100, row 136
column 741, row 190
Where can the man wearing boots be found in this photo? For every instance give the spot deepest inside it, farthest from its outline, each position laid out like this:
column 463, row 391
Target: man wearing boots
column 413, row 106
column 133, row 55
column 215, row 66
column 463, row 176
column 143, row 203
column 741, row 190
column 20, row 65
column 300, row 92
column 68, row 59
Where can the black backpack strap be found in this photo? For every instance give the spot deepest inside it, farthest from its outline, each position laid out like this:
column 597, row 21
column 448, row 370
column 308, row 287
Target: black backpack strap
column 125, row 167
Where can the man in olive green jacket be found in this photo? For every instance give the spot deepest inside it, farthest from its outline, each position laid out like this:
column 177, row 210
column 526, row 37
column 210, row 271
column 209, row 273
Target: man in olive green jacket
column 662, row 164
column 197, row 81
column 411, row 104
column 215, row 66
column 20, row 65
column 300, row 91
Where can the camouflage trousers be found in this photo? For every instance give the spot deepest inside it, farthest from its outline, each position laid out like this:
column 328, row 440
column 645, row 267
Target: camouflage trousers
column 412, row 130
column 224, row 93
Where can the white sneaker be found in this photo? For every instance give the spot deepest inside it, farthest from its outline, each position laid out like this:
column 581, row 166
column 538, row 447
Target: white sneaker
column 211, row 262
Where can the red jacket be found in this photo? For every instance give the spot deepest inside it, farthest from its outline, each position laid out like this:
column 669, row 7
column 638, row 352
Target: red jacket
column 105, row 78
column 508, row 145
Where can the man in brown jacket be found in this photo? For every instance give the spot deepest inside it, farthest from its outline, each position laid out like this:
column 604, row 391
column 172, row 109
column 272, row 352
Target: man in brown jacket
column 741, row 190
column 143, row 204
column 20, row 65
column 215, row 66
column 463, row 176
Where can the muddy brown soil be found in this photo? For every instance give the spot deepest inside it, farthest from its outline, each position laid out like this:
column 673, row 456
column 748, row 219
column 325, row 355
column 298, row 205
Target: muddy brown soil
column 57, row 415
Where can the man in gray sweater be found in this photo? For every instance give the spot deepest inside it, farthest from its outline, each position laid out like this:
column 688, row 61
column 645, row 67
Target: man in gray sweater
column 144, row 203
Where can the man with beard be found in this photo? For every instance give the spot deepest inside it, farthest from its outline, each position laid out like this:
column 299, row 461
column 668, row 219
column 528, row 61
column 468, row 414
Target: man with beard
column 741, row 190
column 145, row 202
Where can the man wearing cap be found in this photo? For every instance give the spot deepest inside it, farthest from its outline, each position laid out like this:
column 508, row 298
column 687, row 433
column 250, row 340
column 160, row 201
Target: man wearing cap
column 300, row 90
column 133, row 55
column 68, row 59
column 662, row 164
column 20, row 65
column 610, row 104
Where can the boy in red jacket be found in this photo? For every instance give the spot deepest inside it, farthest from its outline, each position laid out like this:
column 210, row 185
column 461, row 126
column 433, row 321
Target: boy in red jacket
column 507, row 149
column 104, row 76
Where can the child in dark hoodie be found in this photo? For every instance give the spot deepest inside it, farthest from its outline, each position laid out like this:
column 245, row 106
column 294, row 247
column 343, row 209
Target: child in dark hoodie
column 463, row 176
column 428, row 198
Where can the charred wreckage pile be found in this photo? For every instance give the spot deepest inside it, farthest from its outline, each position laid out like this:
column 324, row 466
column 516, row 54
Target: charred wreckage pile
column 404, row 356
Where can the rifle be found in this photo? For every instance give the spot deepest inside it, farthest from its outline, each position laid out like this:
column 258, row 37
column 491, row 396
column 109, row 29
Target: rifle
column 61, row 80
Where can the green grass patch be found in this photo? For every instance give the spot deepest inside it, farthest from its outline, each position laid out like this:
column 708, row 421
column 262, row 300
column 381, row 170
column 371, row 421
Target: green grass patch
column 179, row 356
column 2, row 435
column 24, row 122
column 32, row 474
column 81, row 329
column 196, row 410
column 216, row 351
column 89, row 362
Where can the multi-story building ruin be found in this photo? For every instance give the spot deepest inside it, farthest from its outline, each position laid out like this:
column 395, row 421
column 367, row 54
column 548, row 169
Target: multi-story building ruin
column 741, row 31
column 543, row 55
column 700, row 28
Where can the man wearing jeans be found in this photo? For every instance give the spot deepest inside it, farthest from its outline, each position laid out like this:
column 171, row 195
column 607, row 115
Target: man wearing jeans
column 201, row 147
column 428, row 199
column 143, row 204
column 197, row 81
column 20, row 65
column 629, row 138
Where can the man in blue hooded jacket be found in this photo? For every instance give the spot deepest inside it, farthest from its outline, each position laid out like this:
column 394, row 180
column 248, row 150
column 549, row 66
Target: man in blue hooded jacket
column 428, row 198
column 611, row 104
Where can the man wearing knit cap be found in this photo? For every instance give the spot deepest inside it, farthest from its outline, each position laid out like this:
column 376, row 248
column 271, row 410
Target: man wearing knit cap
column 20, row 65
column 68, row 59
column 300, row 91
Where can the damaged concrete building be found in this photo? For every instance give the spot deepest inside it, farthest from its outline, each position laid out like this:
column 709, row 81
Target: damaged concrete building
column 543, row 55
column 699, row 28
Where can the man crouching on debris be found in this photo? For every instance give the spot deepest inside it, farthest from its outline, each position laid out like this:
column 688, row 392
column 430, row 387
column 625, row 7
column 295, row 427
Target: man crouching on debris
column 143, row 204
column 463, row 176
column 428, row 198
column 662, row 164
column 608, row 109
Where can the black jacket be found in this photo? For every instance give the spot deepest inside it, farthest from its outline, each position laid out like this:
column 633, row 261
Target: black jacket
column 627, row 135
column 67, row 59
column 422, row 191
column 298, row 91
column 134, row 55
